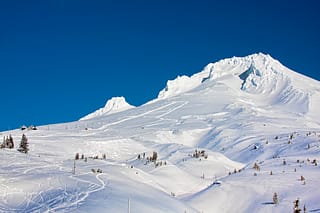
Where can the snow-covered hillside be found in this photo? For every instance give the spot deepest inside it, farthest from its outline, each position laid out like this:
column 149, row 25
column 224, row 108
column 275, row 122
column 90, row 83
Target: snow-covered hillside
column 190, row 150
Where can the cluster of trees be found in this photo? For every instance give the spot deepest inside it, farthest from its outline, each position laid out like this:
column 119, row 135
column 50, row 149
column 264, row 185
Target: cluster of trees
column 9, row 143
column 153, row 158
column 160, row 163
column 200, row 153
column 82, row 157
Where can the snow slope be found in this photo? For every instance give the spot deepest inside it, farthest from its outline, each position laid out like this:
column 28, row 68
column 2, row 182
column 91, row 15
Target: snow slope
column 236, row 112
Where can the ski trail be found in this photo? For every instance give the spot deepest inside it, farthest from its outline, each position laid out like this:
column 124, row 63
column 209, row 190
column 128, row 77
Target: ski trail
column 172, row 110
column 93, row 187
column 137, row 116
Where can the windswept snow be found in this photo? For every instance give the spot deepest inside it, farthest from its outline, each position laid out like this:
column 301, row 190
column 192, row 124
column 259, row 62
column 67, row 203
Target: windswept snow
column 208, row 131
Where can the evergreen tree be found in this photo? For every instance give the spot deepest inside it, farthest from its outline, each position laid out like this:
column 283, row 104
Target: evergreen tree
column 154, row 156
column 9, row 142
column 77, row 156
column 24, row 145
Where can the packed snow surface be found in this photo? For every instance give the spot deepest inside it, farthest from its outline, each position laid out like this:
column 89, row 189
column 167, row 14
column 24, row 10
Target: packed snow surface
column 192, row 149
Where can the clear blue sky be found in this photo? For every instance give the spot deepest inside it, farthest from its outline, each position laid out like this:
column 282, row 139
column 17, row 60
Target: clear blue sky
column 62, row 59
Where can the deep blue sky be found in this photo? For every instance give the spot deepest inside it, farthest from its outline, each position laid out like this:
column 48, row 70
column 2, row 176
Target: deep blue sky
column 60, row 60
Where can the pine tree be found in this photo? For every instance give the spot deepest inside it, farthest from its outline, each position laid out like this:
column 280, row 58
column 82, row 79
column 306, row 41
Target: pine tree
column 76, row 157
column 24, row 145
column 154, row 156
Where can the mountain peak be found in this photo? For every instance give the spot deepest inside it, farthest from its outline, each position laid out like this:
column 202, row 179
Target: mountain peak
column 258, row 73
column 230, row 66
column 113, row 105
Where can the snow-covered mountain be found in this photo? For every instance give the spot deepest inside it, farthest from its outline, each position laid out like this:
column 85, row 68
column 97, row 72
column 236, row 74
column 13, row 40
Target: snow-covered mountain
column 114, row 105
column 206, row 132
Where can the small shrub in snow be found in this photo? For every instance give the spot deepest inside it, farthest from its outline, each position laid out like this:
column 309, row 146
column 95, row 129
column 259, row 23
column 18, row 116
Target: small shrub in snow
column 291, row 136
column 296, row 208
column 275, row 199
column 284, row 162
column 256, row 167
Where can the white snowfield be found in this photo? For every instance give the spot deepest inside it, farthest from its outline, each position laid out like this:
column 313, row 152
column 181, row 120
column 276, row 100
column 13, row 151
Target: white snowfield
column 208, row 131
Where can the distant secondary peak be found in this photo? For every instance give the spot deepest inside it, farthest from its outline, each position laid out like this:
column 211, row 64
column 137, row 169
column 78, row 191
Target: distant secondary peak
column 117, row 103
column 113, row 105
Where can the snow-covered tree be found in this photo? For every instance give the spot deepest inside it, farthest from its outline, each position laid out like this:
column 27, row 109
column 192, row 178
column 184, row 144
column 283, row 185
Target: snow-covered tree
column 3, row 143
column 8, row 143
column 24, row 145
column 275, row 198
